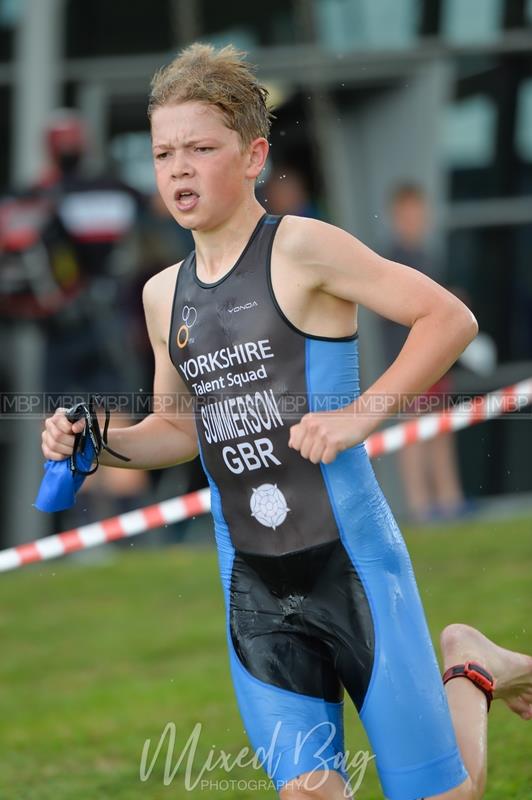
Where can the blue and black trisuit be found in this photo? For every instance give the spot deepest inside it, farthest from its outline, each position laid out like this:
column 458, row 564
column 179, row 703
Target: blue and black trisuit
column 319, row 588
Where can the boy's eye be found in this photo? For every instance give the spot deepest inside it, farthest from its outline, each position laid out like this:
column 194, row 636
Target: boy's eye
column 161, row 156
column 203, row 149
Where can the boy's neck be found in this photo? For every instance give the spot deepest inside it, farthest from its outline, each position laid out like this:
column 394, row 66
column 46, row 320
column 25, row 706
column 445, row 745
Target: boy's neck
column 219, row 248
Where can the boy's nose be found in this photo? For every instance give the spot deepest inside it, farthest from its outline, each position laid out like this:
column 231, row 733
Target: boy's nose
column 181, row 167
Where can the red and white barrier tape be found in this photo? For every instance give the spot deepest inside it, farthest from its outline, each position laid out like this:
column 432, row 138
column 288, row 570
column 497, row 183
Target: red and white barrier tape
column 108, row 530
column 479, row 409
column 511, row 398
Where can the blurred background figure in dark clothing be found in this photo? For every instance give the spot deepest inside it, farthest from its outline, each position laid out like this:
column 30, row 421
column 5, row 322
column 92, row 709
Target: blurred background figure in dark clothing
column 429, row 470
column 90, row 221
column 67, row 237
column 60, row 242
column 286, row 191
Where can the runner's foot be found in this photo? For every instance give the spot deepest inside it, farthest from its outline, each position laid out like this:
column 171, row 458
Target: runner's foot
column 512, row 671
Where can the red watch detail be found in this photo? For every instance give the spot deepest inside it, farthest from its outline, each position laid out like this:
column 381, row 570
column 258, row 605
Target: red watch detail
column 483, row 679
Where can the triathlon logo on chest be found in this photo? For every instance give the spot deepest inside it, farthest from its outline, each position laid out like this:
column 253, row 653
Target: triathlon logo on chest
column 189, row 315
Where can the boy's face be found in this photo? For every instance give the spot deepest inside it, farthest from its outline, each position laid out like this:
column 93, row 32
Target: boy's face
column 202, row 173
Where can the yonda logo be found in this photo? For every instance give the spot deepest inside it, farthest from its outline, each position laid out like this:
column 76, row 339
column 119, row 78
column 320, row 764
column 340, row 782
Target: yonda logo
column 245, row 307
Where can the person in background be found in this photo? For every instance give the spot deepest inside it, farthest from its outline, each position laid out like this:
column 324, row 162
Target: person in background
column 89, row 347
column 429, row 470
column 286, row 191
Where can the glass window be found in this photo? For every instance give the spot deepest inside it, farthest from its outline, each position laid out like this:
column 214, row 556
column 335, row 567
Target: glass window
column 471, row 20
column 469, row 133
column 522, row 294
column 481, row 262
column 367, row 24
column 491, row 266
column 9, row 15
column 118, row 28
column 129, row 142
column 5, row 137
column 246, row 24
column 131, row 154
column 240, row 37
column 523, row 127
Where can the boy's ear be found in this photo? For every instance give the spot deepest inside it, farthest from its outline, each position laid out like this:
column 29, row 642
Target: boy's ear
column 258, row 153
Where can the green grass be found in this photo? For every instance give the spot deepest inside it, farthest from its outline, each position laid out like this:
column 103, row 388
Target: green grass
column 95, row 660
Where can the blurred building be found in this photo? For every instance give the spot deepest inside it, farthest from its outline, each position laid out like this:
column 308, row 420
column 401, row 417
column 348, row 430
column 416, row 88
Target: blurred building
column 369, row 93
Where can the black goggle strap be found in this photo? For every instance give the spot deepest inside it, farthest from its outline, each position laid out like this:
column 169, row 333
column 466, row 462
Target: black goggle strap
column 81, row 411
column 103, row 438
column 92, row 429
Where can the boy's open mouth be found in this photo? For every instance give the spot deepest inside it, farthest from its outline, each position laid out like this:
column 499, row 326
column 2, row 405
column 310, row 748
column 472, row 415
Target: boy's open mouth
column 186, row 199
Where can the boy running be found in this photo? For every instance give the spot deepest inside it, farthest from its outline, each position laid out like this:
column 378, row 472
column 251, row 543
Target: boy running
column 259, row 320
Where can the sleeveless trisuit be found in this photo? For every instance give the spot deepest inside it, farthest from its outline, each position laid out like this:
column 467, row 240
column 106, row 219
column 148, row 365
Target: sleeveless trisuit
column 319, row 589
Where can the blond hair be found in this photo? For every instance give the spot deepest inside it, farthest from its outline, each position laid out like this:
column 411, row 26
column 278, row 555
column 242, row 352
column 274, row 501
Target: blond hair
column 220, row 78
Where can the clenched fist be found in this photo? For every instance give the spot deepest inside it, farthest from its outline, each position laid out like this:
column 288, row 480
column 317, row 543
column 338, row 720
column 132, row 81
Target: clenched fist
column 58, row 435
column 321, row 436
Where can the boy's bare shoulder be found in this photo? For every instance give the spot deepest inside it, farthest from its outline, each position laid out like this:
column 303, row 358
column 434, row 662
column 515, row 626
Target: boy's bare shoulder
column 293, row 229
column 160, row 287
column 157, row 297
column 299, row 236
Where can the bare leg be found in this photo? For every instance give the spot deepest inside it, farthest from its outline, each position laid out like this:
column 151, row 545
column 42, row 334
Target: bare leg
column 444, row 471
column 414, row 475
column 513, row 684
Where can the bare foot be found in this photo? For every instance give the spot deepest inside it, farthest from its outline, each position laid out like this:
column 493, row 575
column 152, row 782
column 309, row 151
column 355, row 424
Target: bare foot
column 512, row 671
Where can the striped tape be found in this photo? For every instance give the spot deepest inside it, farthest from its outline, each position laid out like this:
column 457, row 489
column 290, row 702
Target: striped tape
column 479, row 409
column 108, row 530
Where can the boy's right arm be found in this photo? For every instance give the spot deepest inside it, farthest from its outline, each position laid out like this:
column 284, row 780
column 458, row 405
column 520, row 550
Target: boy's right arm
column 165, row 437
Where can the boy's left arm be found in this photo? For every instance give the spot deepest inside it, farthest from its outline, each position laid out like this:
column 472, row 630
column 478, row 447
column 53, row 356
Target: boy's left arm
column 441, row 326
